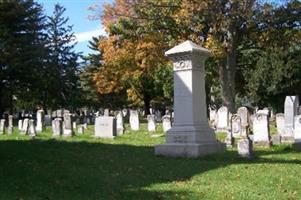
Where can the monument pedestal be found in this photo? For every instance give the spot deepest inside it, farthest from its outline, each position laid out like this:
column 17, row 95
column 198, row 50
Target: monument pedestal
column 190, row 136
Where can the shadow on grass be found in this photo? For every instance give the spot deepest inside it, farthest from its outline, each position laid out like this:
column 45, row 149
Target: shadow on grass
column 80, row 170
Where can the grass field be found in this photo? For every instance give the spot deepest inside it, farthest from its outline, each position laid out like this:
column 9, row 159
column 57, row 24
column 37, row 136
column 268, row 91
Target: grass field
column 83, row 167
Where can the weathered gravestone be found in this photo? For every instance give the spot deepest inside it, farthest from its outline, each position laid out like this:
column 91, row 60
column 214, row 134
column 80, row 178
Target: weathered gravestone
column 67, row 125
column 124, row 112
column 31, row 128
column 105, row 127
column 10, row 124
column 151, row 123
column 158, row 116
column 57, row 127
column 236, row 126
column 229, row 139
column 291, row 105
column 134, row 120
column 166, row 123
column 74, row 125
column 297, row 133
column 261, row 130
column 47, row 120
column 212, row 117
column 81, row 129
column 106, row 112
column 25, row 126
column 40, row 121
column 280, row 124
column 20, row 124
column 245, row 147
column 222, row 123
column 244, row 116
column 190, row 135
column 119, row 123
column 2, row 126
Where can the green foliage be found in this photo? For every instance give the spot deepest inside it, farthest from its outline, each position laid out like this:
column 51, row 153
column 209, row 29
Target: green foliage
column 62, row 87
column 22, row 53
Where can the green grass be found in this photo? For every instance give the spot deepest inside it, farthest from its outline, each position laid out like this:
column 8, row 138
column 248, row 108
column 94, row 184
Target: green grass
column 83, row 167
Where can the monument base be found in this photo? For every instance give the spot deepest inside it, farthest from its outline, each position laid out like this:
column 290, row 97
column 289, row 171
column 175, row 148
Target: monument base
column 190, row 150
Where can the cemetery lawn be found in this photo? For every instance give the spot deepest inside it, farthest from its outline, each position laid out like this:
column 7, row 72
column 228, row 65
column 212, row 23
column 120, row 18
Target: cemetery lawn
column 83, row 167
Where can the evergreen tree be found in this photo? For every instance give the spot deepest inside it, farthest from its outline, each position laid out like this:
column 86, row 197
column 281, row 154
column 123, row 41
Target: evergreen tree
column 62, row 84
column 21, row 53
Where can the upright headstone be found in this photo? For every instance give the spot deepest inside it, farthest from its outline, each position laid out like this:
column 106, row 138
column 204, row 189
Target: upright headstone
column 10, row 124
column 74, row 125
column 229, row 139
column 291, row 105
column 166, row 123
column 106, row 112
column 31, row 128
column 67, row 126
column 40, row 121
column 158, row 116
column 151, row 123
column 47, row 120
column 280, row 124
column 2, row 126
column 261, row 130
column 119, row 123
column 245, row 148
column 222, row 123
column 124, row 112
column 244, row 116
column 236, row 126
column 57, row 127
column 297, row 133
column 212, row 117
column 25, row 126
column 190, row 135
column 20, row 124
column 81, row 129
column 134, row 120
column 105, row 127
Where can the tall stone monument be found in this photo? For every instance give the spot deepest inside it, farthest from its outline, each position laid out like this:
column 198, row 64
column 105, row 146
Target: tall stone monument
column 290, row 111
column 190, row 135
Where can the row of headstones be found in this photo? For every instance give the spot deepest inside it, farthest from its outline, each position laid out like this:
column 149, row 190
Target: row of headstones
column 109, row 127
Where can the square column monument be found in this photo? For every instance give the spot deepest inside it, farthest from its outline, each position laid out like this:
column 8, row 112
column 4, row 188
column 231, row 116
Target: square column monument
column 190, row 135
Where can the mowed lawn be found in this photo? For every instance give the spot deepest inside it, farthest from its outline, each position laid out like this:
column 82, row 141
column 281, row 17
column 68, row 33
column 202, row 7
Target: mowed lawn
column 83, row 167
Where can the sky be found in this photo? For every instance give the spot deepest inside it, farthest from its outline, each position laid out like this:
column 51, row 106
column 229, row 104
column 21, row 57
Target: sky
column 78, row 13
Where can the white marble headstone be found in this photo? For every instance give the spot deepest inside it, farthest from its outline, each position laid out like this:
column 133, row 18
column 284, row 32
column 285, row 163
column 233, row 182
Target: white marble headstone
column 261, row 129
column 105, row 127
column 291, row 105
column 297, row 129
column 236, row 126
column 280, row 123
column 166, row 123
column 151, row 125
column 119, row 122
column 222, row 119
column 134, row 120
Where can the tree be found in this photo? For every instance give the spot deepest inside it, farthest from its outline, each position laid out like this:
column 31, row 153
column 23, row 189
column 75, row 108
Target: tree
column 92, row 64
column 132, row 58
column 271, row 58
column 22, row 53
column 62, row 84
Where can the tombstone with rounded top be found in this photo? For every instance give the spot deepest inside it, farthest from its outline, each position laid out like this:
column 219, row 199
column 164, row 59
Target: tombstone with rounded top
column 291, row 105
column 190, row 135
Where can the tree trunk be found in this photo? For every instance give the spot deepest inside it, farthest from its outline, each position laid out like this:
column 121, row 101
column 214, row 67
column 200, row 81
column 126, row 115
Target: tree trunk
column 146, row 101
column 227, row 71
